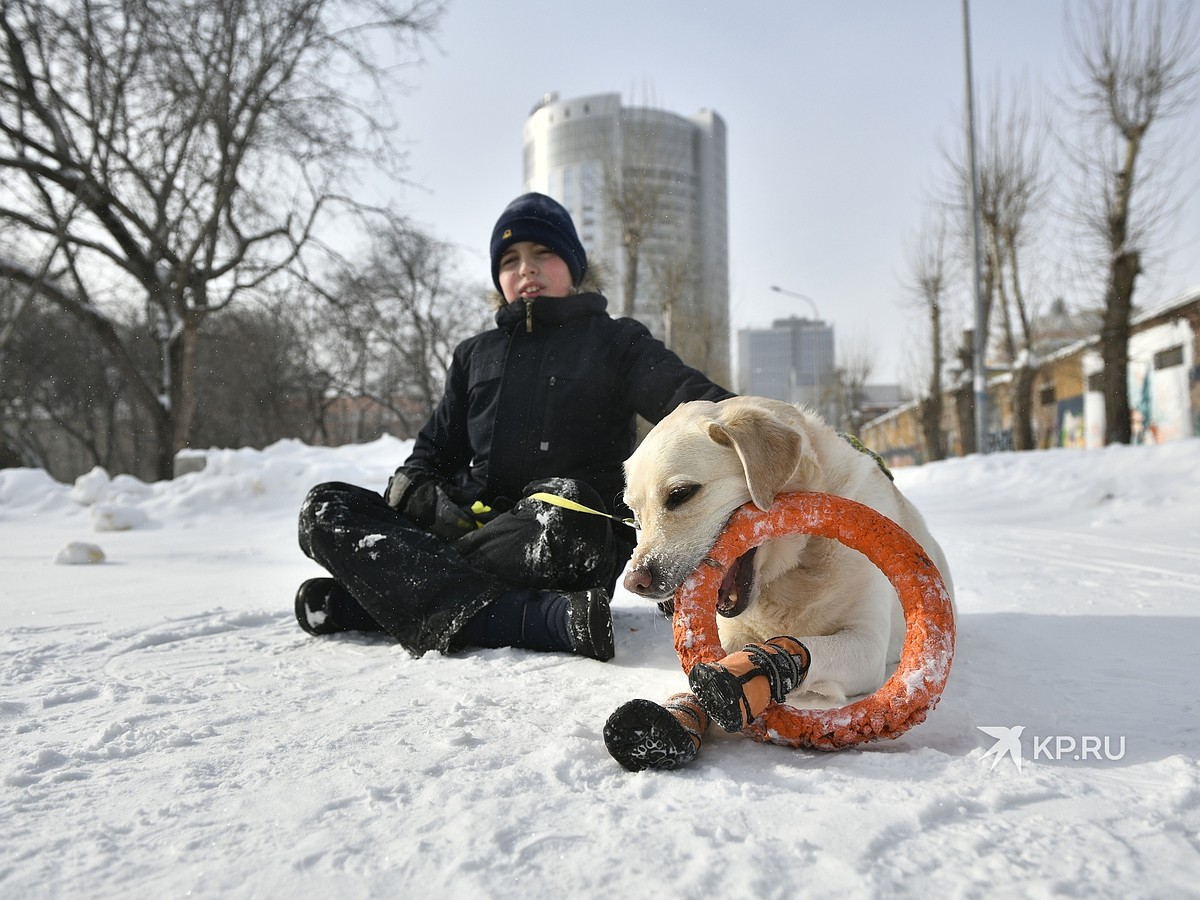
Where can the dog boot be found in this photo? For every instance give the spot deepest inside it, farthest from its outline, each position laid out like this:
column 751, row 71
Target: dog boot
column 736, row 689
column 643, row 735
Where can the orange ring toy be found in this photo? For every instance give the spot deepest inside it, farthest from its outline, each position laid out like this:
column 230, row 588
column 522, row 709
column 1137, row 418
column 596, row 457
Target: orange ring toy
column 906, row 698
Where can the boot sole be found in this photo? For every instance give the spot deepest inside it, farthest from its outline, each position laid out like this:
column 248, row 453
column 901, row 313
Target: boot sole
column 643, row 735
column 721, row 695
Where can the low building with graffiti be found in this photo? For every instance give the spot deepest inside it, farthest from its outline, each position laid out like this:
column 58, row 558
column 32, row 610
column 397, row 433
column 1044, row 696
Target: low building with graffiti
column 1068, row 407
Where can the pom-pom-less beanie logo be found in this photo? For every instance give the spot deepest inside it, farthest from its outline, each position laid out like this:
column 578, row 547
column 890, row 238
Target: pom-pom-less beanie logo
column 507, row 234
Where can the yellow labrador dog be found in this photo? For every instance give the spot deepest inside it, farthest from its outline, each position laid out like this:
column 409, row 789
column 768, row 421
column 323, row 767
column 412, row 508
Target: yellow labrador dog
column 705, row 460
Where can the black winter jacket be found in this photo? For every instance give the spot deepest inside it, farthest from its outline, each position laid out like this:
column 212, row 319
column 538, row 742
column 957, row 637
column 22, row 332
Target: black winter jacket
column 553, row 390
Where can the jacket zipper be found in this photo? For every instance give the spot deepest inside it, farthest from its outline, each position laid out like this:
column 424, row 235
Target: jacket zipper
column 547, row 419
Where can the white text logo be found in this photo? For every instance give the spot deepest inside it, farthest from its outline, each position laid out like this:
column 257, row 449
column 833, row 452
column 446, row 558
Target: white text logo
column 1053, row 747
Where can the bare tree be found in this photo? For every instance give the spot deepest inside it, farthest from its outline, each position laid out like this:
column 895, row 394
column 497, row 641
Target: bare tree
column 927, row 287
column 64, row 407
column 634, row 192
column 1012, row 192
column 846, row 395
column 60, row 401
column 687, row 329
column 176, row 156
column 1012, row 168
column 256, row 377
column 959, row 199
column 964, row 394
column 1137, row 66
column 396, row 317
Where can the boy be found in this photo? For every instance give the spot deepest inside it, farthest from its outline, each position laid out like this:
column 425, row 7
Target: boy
column 457, row 551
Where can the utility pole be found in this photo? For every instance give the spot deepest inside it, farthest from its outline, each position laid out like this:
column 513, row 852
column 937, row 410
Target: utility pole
column 979, row 370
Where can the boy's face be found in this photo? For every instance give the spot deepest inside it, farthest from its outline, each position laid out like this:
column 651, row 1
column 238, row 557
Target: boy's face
column 529, row 270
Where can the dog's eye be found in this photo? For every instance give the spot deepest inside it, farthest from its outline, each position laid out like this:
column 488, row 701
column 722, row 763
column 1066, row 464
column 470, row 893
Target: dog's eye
column 681, row 495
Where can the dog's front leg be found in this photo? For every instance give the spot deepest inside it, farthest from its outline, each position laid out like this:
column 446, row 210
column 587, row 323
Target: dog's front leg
column 733, row 638
column 845, row 664
column 735, row 690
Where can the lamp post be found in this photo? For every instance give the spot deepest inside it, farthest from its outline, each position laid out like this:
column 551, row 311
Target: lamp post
column 807, row 299
column 817, row 318
column 979, row 373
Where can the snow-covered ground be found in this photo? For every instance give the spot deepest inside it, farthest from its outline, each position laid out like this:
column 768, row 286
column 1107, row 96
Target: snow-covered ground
column 169, row 731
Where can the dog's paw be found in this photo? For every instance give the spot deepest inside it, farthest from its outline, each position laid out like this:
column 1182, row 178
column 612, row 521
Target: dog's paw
column 644, row 735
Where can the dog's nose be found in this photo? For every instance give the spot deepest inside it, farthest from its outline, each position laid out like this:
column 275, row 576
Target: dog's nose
column 639, row 581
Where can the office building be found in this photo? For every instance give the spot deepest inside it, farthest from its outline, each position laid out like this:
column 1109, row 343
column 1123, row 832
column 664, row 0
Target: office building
column 793, row 360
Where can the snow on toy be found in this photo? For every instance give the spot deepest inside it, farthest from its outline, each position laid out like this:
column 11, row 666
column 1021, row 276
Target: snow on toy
column 745, row 690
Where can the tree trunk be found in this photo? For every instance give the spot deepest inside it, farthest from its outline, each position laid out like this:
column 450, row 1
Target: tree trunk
column 964, row 407
column 183, row 385
column 995, row 265
column 10, row 458
column 932, row 407
column 1114, row 348
column 1022, row 406
column 163, row 450
column 632, row 252
column 931, row 428
column 1026, row 370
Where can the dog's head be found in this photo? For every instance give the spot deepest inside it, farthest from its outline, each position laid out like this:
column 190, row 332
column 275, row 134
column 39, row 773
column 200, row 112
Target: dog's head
column 692, row 471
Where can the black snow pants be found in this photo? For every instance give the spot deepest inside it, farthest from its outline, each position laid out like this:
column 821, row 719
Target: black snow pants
column 421, row 589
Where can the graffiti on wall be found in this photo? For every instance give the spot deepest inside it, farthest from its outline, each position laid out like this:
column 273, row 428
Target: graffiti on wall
column 1159, row 401
column 1071, row 423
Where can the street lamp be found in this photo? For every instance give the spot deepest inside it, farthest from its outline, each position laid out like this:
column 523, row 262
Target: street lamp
column 817, row 314
column 807, row 299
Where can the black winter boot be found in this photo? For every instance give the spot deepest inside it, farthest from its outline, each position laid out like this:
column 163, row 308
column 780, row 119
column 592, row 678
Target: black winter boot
column 325, row 607
column 589, row 624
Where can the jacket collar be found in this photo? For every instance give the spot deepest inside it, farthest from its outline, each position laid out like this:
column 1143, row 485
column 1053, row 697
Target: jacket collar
column 550, row 311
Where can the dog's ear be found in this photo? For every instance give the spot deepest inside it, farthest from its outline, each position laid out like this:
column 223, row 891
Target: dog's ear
column 769, row 451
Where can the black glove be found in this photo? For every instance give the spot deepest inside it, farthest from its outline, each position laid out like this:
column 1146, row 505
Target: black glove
column 425, row 500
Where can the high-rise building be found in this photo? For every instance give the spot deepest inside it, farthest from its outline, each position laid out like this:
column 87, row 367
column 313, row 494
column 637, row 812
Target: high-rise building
column 765, row 363
column 793, row 360
column 654, row 180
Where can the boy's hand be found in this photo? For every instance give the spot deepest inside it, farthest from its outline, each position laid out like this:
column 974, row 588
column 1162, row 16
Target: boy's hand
column 424, row 500
column 482, row 513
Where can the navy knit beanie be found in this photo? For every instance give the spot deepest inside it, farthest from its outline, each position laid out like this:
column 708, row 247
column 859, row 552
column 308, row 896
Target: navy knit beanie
column 542, row 220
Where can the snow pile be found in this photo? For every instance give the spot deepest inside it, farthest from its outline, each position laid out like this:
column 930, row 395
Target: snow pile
column 169, row 730
column 78, row 553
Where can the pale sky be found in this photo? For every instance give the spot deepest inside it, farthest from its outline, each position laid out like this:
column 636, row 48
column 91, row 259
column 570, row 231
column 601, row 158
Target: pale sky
column 837, row 117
